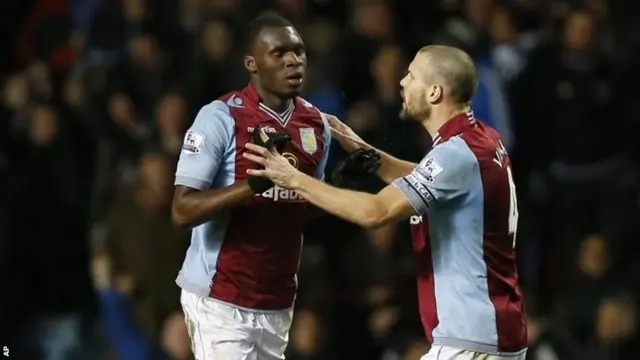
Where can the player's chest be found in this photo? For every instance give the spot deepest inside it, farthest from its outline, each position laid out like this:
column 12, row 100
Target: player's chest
column 303, row 152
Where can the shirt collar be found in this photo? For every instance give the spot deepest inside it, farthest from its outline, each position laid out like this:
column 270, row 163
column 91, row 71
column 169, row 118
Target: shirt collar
column 454, row 126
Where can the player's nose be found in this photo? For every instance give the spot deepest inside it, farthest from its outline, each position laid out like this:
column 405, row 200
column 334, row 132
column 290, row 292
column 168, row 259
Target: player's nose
column 402, row 81
column 292, row 59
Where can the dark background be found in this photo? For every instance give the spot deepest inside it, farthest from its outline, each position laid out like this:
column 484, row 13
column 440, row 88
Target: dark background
column 96, row 96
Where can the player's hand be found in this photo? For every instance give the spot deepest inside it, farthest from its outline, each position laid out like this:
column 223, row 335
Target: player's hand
column 350, row 172
column 276, row 141
column 343, row 134
column 275, row 166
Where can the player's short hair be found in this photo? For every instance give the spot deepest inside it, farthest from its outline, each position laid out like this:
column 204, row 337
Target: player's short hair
column 456, row 68
column 264, row 20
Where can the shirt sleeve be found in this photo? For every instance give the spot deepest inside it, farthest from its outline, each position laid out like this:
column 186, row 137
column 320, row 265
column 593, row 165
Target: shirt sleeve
column 205, row 145
column 326, row 134
column 440, row 177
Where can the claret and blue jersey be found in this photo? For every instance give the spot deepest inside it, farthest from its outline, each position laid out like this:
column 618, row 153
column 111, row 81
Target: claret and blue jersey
column 248, row 256
column 464, row 237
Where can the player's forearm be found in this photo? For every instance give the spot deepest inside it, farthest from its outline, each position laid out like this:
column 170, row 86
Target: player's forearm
column 192, row 207
column 392, row 168
column 356, row 207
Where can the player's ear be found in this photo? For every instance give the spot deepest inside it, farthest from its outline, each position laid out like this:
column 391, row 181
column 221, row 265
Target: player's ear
column 435, row 93
column 250, row 64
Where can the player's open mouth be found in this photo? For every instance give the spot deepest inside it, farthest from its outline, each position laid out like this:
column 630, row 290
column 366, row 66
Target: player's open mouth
column 295, row 78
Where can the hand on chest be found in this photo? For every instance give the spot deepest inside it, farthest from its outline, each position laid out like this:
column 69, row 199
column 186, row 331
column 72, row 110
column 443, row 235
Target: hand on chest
column 303, row 152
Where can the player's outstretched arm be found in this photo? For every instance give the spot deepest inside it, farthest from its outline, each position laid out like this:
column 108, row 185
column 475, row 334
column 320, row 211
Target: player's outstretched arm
column 367, row 210
column 361, row 208
column 428, row 184
column 206, row 152
column 390, row 167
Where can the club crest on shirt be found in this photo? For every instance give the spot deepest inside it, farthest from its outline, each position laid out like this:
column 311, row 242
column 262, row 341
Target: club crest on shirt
column 192, row 143
column 430, row 169
column 308, row 140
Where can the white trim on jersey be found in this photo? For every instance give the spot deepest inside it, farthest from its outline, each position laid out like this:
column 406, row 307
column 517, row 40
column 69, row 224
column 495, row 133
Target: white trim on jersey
column 472, row 120
column 282, row 118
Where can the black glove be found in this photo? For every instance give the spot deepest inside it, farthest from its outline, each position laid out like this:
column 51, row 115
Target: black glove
column 360, row 163
column 279, row 141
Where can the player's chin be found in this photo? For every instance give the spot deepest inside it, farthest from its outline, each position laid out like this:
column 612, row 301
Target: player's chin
column 292, row 90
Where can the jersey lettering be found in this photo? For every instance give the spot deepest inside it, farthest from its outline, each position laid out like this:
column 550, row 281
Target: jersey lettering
column 513, row 206
column 277, row 193
column 501, row 154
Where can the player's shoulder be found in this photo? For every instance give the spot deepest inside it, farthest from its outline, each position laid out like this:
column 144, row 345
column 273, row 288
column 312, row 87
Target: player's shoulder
column 236, row 99
column 305, row 108
column 454, row 148
column 452, row 154
column 304, row 104
column 228, row 107
column 216, row 109
column 483, row 141
column 214, row 117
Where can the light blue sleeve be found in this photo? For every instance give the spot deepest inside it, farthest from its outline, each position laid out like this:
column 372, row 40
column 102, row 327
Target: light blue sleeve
column 205, row 145
column 441, row 176
column 326, row 134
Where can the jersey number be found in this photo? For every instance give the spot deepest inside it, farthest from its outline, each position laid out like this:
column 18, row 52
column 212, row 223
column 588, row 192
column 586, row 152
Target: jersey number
column 513, row 207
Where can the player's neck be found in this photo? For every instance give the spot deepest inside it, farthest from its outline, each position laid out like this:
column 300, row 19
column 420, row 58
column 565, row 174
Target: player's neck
column 439, row 116
column 273, row 102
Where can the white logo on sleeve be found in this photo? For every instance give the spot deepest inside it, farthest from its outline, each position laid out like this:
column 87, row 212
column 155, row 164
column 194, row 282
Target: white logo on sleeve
column 235, row 102
column 430, row 169
column 192, row 143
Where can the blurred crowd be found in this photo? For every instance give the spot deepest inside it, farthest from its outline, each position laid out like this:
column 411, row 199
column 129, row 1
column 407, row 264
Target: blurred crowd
column 93, row 113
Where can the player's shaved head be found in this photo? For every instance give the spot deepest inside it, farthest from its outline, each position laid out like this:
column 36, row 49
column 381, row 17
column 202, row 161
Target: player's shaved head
column 451, row 66
column 439, row 77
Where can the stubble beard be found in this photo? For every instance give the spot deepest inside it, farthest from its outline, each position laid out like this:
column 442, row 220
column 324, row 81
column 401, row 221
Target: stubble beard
column 406, row 114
